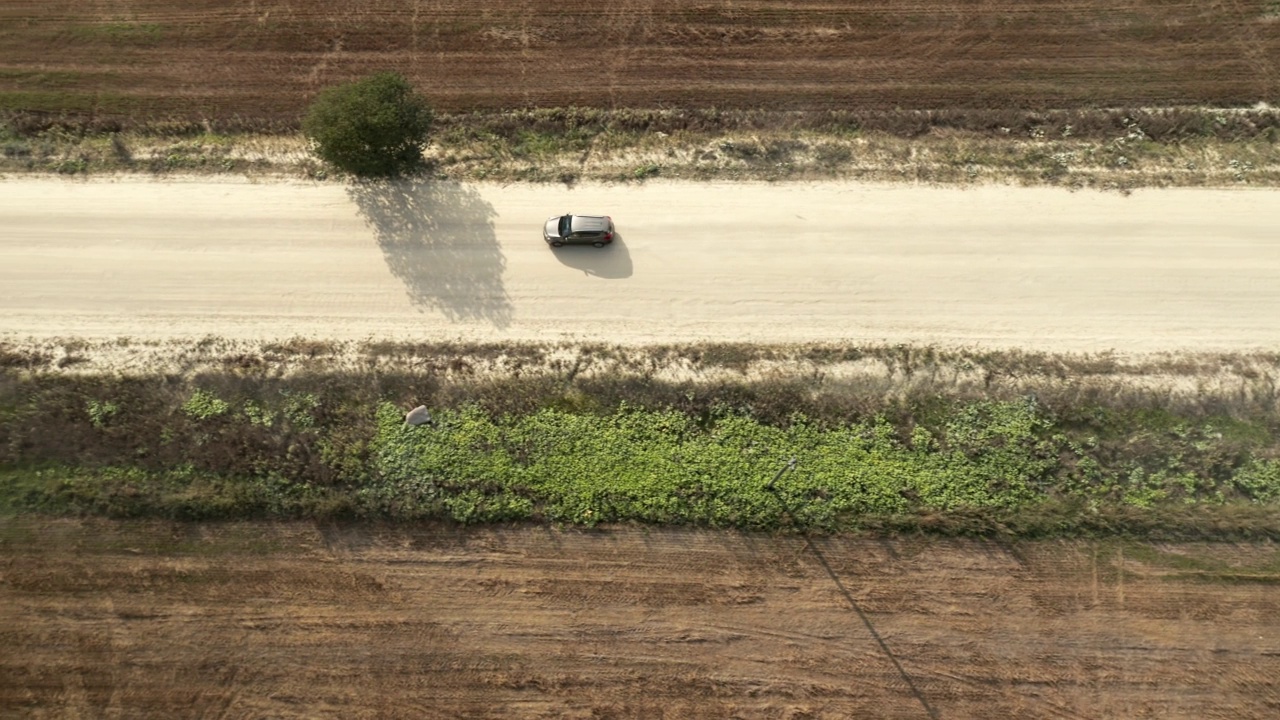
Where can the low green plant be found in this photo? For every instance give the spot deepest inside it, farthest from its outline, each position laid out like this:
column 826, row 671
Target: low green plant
column 1258, row 480
column 204, row 405
column 71, row 166
column 300, row 408
column 101, row 412
column 646, row 171
column 258, row 415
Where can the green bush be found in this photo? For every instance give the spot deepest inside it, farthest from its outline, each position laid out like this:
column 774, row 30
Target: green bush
column 375, row 127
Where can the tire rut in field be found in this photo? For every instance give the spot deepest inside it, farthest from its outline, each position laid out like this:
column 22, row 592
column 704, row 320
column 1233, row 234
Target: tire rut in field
column 771, row 486
column 420, row 621
column 264, row 60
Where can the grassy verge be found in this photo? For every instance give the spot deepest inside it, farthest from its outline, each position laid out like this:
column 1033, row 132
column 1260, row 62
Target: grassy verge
column 1112, row 149
column 886, row 439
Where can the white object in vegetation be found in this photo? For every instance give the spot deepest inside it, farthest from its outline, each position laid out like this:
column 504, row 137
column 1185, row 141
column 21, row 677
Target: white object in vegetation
column 418, row 416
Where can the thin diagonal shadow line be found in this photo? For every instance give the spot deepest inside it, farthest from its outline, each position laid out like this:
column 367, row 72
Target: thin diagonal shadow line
column 857, row 609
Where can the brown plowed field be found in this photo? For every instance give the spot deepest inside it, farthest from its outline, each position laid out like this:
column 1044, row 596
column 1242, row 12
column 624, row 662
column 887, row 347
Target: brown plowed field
column 295, row 620
column 263, row 59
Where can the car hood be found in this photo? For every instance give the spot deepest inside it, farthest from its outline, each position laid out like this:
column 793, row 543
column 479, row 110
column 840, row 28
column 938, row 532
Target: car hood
column 552, row 228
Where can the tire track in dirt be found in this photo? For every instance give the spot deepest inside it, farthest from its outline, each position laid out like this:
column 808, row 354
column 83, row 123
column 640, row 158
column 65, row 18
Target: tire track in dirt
column 259, row 60
column 1254, row 50
column 296, row 620
column 1056, row 710
column 908, row 682
column 848, row 596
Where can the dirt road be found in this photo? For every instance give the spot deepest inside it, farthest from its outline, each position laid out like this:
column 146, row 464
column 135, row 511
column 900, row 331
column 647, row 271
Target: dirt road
column 991, row 266
column 295, row 620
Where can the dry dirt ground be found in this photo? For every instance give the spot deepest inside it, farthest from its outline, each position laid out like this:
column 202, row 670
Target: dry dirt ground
column 104, row 619
column 262, row 60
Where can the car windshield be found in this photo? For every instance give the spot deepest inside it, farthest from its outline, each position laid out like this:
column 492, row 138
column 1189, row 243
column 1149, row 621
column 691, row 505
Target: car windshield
column 564, row 225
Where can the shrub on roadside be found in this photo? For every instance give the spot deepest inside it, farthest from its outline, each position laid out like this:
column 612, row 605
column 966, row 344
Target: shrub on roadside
column 374, row 127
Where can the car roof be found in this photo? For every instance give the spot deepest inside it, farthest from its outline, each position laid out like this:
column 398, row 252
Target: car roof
column 588, row 223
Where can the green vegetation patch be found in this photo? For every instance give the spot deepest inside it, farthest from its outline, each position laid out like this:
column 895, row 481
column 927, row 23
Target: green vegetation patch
column 1028, row 445
column 665, row 467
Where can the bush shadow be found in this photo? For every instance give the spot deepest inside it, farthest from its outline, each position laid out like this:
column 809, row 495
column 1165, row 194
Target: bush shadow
column 437, row 237
column 612, row 261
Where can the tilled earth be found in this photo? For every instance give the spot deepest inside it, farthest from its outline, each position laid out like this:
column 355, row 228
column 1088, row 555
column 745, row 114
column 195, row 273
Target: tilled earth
column 108, row 619
column 262, row 61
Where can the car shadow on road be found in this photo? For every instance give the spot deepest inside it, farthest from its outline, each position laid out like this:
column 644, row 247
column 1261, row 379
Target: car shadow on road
column 612, row 261
column 437, row 238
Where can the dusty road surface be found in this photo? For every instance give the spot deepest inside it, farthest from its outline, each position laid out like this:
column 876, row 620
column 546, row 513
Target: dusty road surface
column 298, row 620
column 995, row 266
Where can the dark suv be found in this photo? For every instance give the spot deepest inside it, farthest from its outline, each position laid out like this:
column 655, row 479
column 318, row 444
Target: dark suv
column 573, row 229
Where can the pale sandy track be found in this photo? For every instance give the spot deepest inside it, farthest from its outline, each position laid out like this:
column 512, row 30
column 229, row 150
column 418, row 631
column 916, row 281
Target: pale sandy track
column 994, row 266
